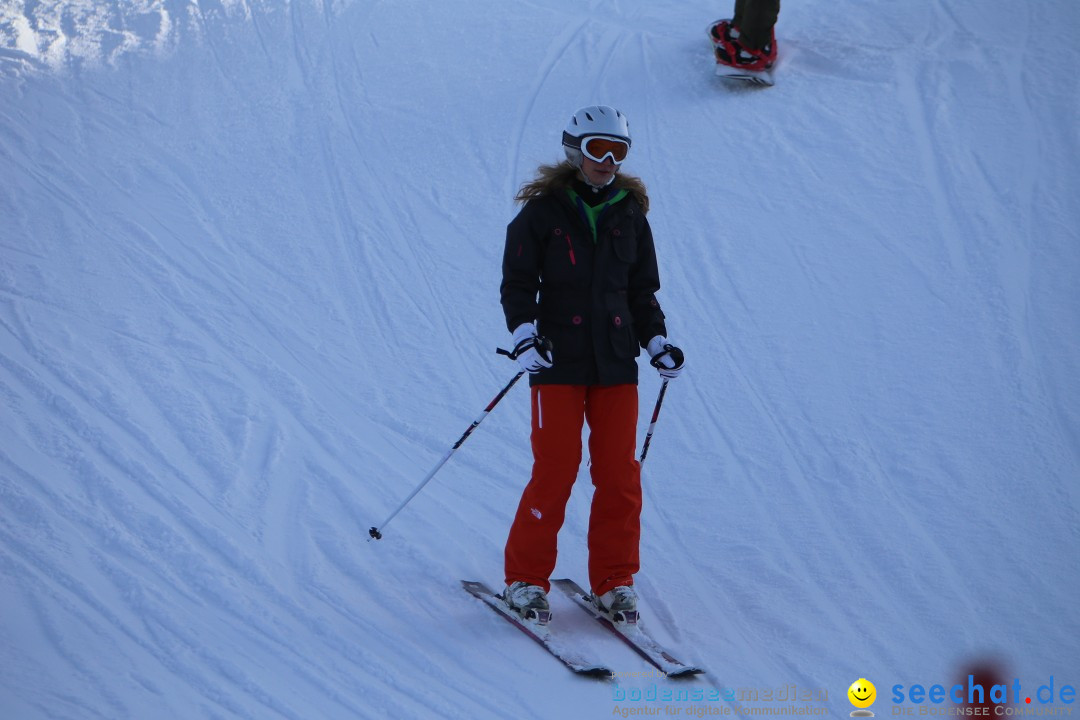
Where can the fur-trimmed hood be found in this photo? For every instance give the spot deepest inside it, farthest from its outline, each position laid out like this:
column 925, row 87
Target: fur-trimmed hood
column 550, row 178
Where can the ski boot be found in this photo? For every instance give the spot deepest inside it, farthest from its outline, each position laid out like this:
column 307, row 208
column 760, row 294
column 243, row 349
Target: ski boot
column 528, row 601
column 619, row 604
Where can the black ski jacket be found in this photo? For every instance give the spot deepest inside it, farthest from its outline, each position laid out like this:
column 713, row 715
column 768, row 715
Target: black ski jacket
column 593, row 292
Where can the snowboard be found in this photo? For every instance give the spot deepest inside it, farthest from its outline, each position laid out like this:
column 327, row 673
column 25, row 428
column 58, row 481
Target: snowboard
column 762, row 78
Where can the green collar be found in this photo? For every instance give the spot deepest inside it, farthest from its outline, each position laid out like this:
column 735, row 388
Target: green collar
column 592, row 214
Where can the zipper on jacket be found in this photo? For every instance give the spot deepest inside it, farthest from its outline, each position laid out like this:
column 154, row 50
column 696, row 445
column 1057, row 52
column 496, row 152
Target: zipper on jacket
column 570, row 247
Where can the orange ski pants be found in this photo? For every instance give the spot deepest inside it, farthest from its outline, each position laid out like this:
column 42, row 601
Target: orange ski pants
column 614, row 522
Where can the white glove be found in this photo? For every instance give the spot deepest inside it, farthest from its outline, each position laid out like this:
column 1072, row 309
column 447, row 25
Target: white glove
column 532, row 352
column 666, row 358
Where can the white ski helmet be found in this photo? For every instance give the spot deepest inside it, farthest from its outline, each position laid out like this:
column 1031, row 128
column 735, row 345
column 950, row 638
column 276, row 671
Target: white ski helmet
column 593, row 120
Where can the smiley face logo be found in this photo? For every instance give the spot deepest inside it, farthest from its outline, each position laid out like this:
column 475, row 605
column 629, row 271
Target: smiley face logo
column 862, row 693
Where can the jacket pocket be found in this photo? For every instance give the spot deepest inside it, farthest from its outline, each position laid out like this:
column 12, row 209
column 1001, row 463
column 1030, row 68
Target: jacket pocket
column 624, row 244
column 624, row 342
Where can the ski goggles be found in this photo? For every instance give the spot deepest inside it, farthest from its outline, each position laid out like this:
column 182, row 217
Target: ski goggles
column 599, row 147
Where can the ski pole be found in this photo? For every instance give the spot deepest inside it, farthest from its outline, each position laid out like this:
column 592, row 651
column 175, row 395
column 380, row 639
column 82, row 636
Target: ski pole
column 376, row 532
column 541, row 344
column 652, row 425
column 677, row 357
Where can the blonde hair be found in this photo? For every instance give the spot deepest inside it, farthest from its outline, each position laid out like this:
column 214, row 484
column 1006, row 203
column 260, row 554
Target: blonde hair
column 550, row 178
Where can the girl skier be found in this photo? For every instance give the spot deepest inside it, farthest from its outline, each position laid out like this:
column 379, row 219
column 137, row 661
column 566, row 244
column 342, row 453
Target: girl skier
column 579, row 269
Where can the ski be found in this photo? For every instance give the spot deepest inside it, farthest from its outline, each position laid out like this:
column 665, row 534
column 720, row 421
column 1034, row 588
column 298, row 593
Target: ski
column 631, row 633
column 541, row 634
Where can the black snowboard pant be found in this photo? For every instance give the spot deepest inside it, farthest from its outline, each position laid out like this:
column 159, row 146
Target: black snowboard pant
column 755, row 20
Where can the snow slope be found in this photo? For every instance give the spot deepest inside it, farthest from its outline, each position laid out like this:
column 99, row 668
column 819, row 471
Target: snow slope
column 248, row 297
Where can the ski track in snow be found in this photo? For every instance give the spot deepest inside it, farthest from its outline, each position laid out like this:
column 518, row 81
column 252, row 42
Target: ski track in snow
column 249, row 297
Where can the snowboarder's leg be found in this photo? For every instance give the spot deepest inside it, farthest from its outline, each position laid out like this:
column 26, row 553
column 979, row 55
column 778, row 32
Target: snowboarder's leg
column 755, row 20
column 531, row 549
